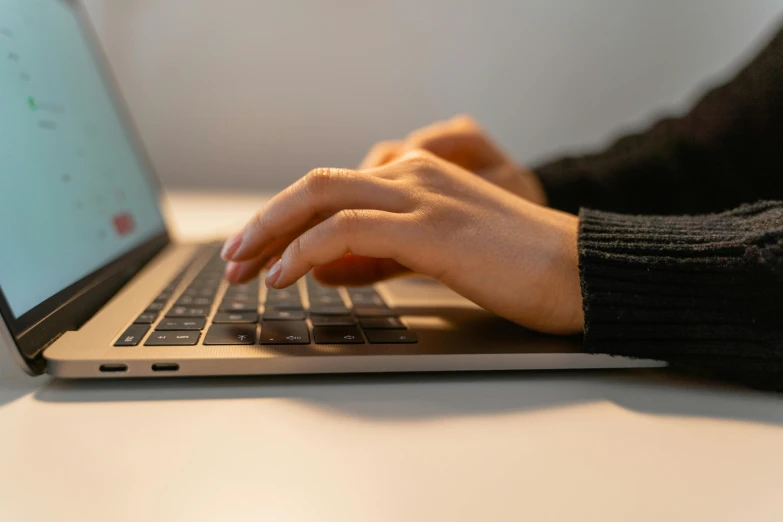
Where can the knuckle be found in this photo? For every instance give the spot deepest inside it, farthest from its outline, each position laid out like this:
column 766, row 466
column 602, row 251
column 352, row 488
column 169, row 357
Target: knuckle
column 421, row 156
column 465, row 120
column 421, row 162
column 347, row 222
column 318, row 180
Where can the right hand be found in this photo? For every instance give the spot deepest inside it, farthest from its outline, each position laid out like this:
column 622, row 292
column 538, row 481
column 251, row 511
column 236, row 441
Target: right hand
column 512, row 257
column 463, row 142
column 460, row 141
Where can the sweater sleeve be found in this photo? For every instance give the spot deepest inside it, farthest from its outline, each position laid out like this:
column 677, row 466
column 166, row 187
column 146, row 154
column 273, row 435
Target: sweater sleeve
column 698, row 291
column 724, row 152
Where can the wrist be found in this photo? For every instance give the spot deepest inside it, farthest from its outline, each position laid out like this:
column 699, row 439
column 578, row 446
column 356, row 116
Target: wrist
column 565, row 283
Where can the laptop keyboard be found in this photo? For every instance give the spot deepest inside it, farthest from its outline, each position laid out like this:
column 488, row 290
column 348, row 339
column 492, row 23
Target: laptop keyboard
column 204, row 313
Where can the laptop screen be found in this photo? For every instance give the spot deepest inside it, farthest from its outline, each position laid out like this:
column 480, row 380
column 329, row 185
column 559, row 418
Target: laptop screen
column 75, row 194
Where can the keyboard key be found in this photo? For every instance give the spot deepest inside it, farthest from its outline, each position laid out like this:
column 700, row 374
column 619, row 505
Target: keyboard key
column 282, row 295
column 392, row 336
column 175, row 338
column 185, row 300
column 133, row 335
column 374, row 311
column 250, row 285
column 186, row 311
column 381, row 323
column 321, row 292
column 337, row 335
column 189, row 300
column 231, row 334
column 155, row 307
column 251, row 290
column 238, row 306
column 329, row 310
column 356, row 290
column 163, row 297
column 195, row 323
column 283, row 315
column 332, row 320
column 372, row 300
column 146, row 318
column 284, row 306
column 243, row 296
column 284, row 332
column 235, row 318
column 314, row 289
column 319, row 300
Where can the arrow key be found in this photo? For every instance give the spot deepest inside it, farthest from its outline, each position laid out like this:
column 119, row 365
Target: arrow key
column 337, row 335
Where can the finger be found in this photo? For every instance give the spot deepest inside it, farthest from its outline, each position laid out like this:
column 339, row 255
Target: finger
column 321, row 193
column 353, row 270
column 467, row 148
column 369, row 233
column 241, row 272
column 380, row 154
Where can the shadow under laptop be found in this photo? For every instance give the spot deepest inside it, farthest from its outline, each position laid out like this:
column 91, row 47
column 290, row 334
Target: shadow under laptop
column 391, row 397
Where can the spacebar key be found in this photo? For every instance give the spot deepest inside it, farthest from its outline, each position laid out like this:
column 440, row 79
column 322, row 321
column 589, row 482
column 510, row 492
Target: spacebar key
column 173, row 338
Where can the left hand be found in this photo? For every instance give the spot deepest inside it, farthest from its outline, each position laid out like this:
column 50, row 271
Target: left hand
column 510, row 256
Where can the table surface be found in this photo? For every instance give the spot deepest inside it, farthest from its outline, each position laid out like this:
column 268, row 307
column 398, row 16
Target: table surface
column 642, row 445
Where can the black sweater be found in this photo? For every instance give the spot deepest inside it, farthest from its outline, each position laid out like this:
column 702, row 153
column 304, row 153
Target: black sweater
column 681, row 231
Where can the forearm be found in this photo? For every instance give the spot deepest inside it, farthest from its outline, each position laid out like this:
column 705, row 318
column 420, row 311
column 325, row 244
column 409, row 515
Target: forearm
column 693, row 290
column 724, row 152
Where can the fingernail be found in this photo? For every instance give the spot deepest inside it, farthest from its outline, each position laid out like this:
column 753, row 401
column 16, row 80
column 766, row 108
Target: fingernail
column 274, row 273
column 231, row 271
column 231, row 247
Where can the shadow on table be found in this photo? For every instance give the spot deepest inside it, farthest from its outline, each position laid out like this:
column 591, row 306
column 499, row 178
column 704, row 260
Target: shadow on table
column 433, row 395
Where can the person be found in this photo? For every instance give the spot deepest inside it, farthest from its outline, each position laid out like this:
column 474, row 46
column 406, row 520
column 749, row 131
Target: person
column 666, row 245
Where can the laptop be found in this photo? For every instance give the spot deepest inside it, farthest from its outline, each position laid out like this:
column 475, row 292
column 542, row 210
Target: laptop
column 92, row 286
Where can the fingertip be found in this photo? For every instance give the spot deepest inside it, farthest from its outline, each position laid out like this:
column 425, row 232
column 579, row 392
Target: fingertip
column 231, row 272
column 231, row 246
column 273, row 277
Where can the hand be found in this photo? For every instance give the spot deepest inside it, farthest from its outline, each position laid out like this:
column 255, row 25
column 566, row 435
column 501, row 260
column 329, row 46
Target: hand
column 463, row 142
column 459, row 140
column 506, row 254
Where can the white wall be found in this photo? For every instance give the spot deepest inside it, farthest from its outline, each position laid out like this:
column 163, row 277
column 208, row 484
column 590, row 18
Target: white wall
column 253, row 93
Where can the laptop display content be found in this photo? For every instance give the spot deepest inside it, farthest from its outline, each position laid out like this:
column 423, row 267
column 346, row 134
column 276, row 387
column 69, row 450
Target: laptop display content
column 75, row 193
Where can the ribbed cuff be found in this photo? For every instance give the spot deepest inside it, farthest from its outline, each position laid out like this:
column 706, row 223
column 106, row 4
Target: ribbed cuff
column 686, row 286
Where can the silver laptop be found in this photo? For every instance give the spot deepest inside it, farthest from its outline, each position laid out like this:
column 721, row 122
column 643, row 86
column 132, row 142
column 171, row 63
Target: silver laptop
column 91, row 285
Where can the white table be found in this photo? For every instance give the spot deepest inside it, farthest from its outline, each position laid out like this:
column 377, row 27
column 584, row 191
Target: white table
column 607, row 446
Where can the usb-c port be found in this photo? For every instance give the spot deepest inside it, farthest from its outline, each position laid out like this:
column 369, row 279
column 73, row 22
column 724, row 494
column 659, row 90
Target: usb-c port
column 114, row 368
column 165, row 367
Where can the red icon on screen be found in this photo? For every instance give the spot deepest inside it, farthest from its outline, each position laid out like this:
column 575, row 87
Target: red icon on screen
column 124, row 223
